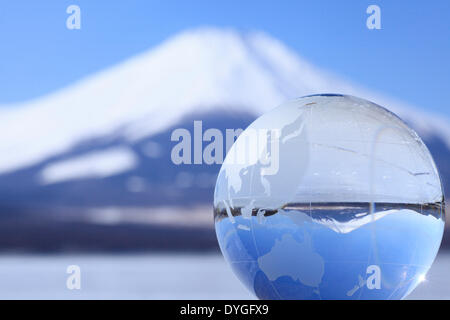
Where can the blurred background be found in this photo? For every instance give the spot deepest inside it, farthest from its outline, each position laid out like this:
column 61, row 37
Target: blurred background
column 91, row 91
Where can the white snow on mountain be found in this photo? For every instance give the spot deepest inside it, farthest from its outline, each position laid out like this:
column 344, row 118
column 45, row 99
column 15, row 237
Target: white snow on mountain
column 97, row 164
column 195, row 71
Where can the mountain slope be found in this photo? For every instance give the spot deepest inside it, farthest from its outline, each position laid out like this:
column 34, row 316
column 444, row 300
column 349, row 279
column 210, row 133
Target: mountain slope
column 106, row 139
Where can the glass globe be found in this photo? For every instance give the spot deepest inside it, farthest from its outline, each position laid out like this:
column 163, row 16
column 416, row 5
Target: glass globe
column 329, row 197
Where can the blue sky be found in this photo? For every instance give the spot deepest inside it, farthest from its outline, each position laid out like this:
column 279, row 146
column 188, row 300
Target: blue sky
column 407, row 59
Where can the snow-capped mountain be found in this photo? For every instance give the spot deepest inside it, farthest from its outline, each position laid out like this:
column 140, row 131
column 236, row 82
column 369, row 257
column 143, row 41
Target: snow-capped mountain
column 105, row 140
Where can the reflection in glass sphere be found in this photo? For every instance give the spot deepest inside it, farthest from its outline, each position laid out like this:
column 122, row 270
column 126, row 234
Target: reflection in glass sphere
column 329, row 197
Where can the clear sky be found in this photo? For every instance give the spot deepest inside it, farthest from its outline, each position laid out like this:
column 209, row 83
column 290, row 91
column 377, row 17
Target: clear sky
column 407, row 59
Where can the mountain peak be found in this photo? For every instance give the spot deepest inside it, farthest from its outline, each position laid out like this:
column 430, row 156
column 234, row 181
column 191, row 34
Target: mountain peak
column 195, row 71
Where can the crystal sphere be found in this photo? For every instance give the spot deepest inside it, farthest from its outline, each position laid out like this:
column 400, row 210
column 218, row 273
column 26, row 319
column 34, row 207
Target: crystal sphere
column 329, row 197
